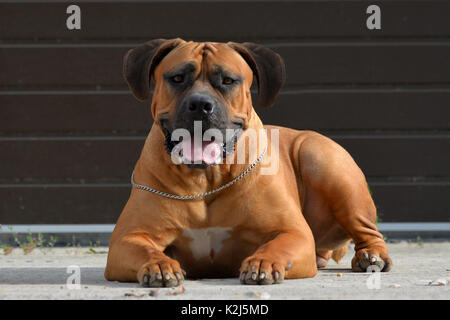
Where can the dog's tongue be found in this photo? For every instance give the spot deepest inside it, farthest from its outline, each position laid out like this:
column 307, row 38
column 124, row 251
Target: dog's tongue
column 204, row 151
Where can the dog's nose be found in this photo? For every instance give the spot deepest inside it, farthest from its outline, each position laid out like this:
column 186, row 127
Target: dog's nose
column 200, row 104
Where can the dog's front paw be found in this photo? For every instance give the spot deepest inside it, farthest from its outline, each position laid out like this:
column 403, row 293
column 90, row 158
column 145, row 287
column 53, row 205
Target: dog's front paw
column 374, row 258
column 262, row 270
column 162, row 272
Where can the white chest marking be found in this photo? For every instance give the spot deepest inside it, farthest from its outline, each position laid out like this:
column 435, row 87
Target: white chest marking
column 204, row 241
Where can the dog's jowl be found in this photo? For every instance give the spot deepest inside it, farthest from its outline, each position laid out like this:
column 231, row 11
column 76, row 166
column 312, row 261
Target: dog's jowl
column 201, row 205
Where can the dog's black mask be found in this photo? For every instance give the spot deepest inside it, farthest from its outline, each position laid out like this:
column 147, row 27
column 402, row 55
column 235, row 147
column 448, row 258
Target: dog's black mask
column 199, row 112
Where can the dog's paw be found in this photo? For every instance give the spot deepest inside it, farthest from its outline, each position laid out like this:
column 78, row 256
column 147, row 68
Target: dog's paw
column 261, row 270
column 371, row 259
column 163, row 272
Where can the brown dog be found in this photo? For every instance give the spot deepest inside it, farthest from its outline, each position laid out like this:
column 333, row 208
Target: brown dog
column 265, row 227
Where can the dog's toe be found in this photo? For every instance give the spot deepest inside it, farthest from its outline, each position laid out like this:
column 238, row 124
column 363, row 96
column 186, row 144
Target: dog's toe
column 163, row 273
column 366, row 260
column 261, row 271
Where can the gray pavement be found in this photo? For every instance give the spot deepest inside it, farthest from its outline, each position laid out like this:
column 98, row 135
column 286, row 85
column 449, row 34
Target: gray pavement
column 43, row 274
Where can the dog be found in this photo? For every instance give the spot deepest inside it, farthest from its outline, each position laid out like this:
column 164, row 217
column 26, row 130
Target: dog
column 213, row 216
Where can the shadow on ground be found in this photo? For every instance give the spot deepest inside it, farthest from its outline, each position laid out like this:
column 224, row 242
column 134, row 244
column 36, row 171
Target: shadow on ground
column 94, row 276
column 89, row 275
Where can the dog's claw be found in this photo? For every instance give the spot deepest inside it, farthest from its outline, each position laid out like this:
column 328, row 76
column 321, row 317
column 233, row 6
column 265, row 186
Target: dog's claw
column 242, row 277
column 276, row 276
column 262, row 271
column 371, row 260
column 145, row 280
column 162, row 273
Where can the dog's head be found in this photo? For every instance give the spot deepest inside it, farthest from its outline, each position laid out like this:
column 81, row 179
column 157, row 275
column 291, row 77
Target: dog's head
column 203, row 89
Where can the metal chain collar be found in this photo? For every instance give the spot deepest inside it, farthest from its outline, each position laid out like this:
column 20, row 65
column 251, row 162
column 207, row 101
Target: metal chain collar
column 200, row 195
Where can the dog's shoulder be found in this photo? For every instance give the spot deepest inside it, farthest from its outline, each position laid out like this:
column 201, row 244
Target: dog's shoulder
column 291, row 137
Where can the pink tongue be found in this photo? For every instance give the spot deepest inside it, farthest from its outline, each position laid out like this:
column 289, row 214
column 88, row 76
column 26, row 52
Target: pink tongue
column 206, row 151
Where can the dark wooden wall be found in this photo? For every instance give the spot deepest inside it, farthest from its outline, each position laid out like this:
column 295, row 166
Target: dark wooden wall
column 70, row 132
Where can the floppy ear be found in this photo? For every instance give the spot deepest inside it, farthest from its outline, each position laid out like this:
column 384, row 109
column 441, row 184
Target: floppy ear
column 268, row 67
column 140, row 62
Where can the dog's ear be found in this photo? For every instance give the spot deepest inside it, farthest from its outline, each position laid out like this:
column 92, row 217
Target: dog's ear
column 140, row 62
column 268, row 67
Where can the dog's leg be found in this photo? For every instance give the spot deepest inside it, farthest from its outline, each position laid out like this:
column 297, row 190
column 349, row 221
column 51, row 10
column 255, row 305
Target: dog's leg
column 322, row 258
column 136, row 257
column 289, row 255
column 370, row 248
column 336, row 179
column 353, row 208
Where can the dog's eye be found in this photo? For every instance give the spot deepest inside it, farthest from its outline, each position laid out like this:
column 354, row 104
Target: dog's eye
column 178, row 78
column 227, row 81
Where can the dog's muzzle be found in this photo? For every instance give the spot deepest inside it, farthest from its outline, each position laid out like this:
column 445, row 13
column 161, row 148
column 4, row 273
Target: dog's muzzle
column 201, row 134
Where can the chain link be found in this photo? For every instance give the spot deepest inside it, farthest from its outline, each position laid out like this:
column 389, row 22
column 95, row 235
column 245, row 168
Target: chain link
column 200, row 195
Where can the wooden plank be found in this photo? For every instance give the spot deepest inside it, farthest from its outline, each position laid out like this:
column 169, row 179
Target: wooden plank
column 308, row 64
column 222, row 20
column 413, row 202
column 115, row 113
column 396, row 155
column 103, row 204
column 328, row 110
column 69, row 113
column 62, row 204
column 58, row 67
column 69, row 159
column 106, row 159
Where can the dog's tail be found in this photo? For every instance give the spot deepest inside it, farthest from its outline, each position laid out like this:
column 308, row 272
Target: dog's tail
column 338, row 254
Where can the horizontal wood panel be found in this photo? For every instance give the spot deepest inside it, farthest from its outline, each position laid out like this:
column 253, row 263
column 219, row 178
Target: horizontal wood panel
column 61, row 205
column 74, row 113
column 222, row 20
column 105, row 160
column 103, row 204
column 412, row 202
column 67, row 160
column 399, row 156
column 360, row 110
column 121, row 113
column 308, row 64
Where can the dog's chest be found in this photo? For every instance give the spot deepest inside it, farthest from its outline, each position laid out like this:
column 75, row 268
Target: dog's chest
column 206, row 242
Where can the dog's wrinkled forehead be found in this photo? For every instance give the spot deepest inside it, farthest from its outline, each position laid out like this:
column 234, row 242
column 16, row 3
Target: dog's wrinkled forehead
column 205, row 57
column 233, row 63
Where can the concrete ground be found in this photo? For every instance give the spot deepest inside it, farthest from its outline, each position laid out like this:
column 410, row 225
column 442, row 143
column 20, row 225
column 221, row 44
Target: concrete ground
column 43, row 274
